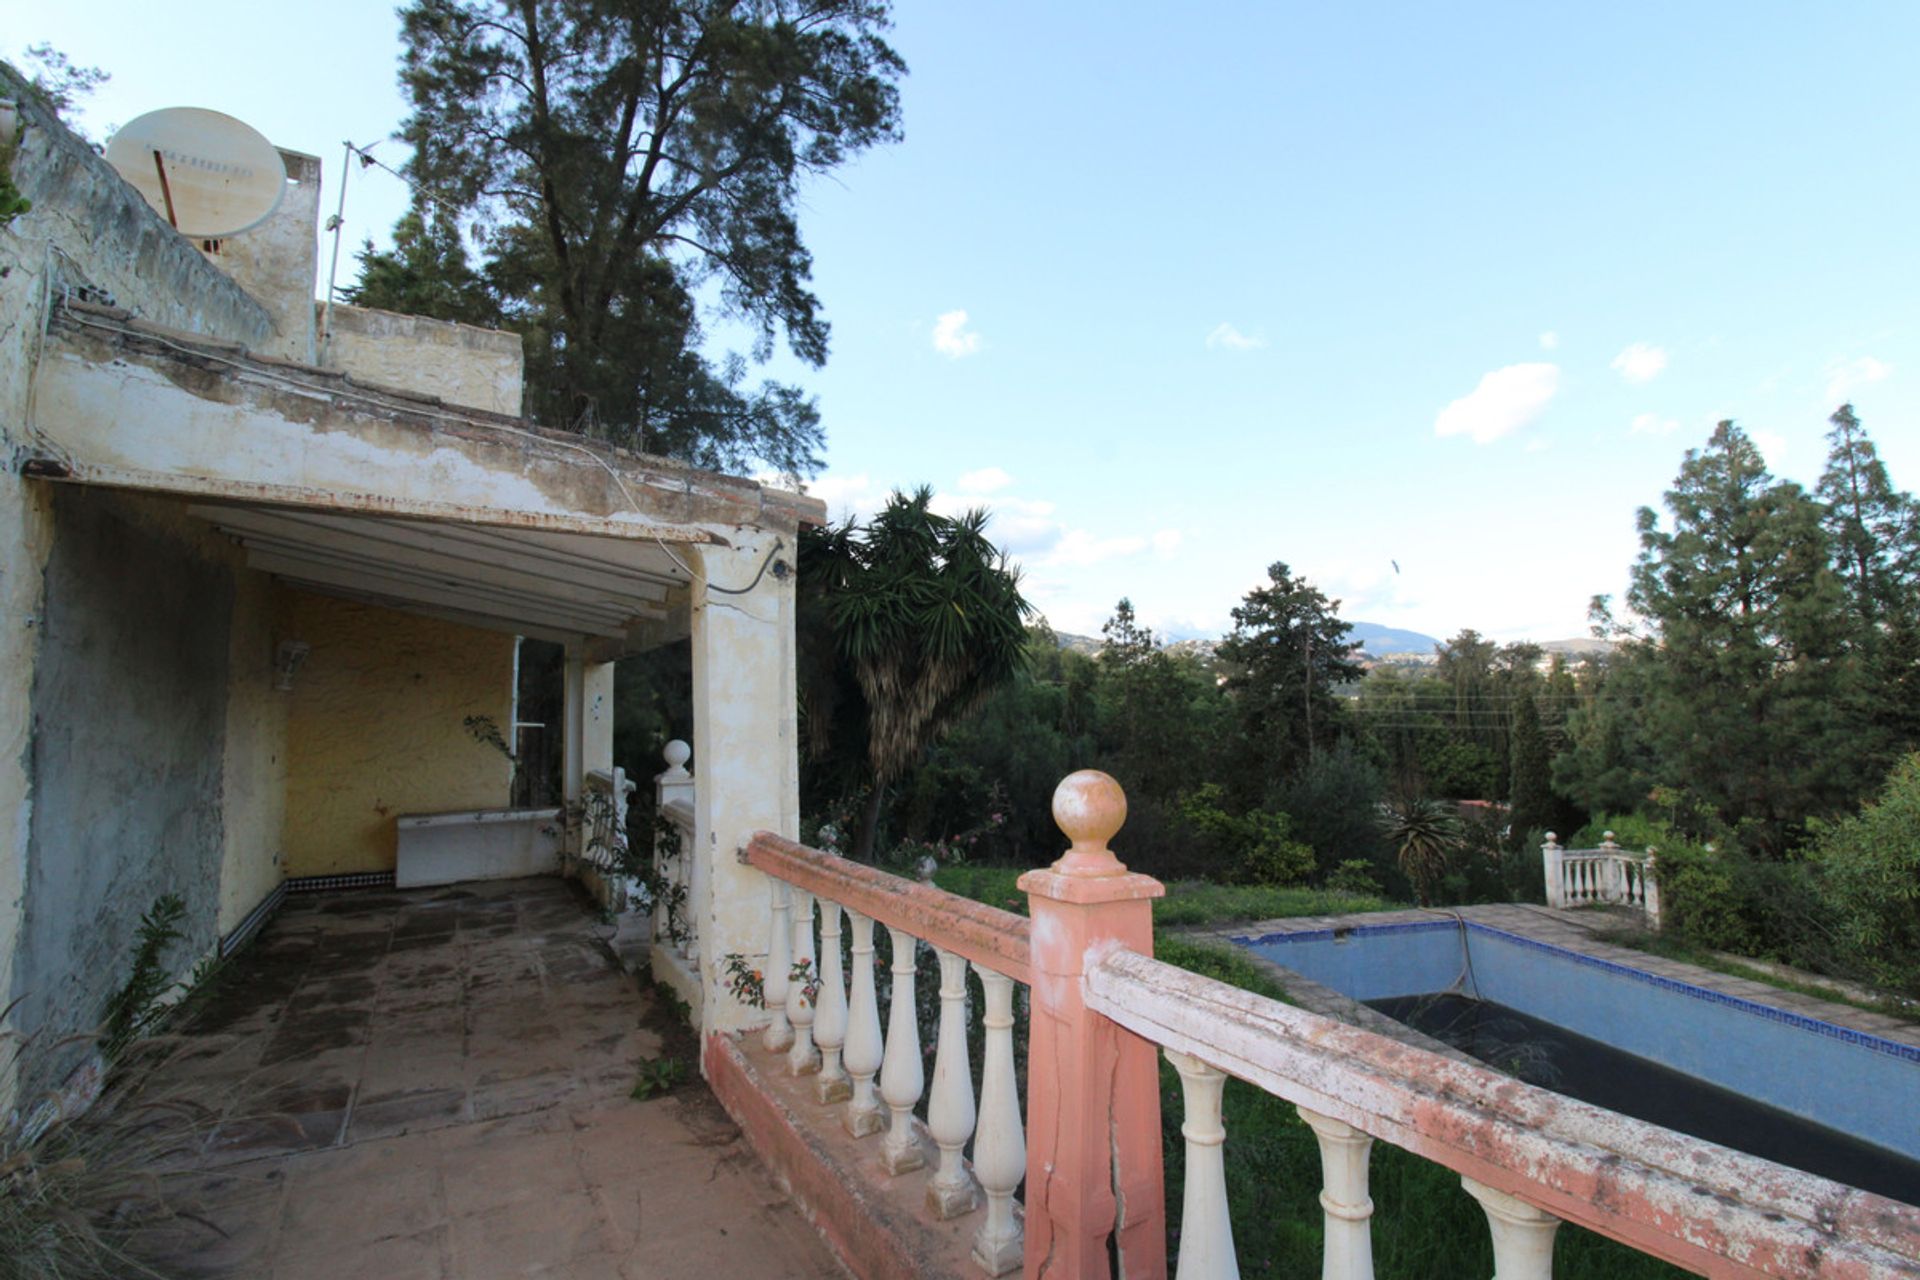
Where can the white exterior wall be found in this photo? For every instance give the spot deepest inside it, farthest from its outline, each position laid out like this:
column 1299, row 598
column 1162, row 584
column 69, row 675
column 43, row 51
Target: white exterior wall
column 747, row 754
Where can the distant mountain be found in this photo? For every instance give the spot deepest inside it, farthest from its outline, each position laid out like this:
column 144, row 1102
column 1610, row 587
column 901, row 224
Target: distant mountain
column 1381, row 641
column 1376, row 640
column 1578, row 647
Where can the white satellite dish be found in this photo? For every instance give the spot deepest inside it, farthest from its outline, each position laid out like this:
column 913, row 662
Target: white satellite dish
column 207, row 173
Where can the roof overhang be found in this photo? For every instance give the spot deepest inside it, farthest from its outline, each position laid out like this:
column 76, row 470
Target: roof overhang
column 386, row 497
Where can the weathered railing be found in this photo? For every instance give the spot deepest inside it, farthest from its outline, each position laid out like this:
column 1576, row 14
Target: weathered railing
column 675, row 920
column 1089, row 1151
column 1532, row 1158
column 605, row 845
column 830, row 1028
column 1609, row 875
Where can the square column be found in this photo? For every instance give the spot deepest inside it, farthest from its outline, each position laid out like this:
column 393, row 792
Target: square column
column 745, row 735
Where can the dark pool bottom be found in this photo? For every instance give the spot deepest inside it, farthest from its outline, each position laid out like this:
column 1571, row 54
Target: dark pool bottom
column 1554, row 1058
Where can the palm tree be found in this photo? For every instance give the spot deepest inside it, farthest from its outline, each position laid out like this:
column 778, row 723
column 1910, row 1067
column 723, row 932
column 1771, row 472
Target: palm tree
column 907, row 625
column 1424, row 833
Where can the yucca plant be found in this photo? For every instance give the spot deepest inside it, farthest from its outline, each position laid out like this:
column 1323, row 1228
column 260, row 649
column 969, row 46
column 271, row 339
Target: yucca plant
column 1424, row 834
column 908, row 623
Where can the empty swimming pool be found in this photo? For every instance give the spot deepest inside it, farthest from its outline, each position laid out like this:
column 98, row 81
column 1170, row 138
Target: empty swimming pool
column 1711, row 1064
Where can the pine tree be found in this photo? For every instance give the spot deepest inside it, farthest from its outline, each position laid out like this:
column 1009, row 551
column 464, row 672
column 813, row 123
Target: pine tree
column 1287, row 654
column 1748, row 620
column 1532, row 774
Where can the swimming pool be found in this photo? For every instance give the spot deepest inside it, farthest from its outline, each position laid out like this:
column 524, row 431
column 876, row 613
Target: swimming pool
column 1839, row 1077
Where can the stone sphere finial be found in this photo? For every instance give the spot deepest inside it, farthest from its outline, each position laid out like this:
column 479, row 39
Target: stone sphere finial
column 676, row 754
column 1552, row 838
column 1090, row 808
column 1606, row 837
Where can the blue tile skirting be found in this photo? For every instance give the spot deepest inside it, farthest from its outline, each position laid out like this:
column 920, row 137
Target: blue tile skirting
column 1847, row 1035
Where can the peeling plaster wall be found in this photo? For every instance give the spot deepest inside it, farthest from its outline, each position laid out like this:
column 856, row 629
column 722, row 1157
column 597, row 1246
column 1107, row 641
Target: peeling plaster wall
column 128, row 749
column 375, row 729
column 463, row 365
column 86, row 227
column 276, row 261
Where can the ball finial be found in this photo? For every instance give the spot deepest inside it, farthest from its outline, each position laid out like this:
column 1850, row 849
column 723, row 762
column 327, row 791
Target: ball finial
column 1090, row 808
column 676, row 754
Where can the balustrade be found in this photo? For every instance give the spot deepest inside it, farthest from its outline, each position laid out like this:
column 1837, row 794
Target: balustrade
column 1606, row 875
column 881, row 1079
column 1529, row 1159
column 674, row 918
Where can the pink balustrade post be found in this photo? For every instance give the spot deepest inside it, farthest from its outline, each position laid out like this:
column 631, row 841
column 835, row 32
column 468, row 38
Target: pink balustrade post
column 1093, row 1088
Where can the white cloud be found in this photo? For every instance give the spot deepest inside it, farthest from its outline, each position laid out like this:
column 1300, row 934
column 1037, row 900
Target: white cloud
column 1550, row 341
column 847, row 496
column 1505, row 401
column 985, row 480
column 1652, row 424
column 1640, row 362
column 1844, row 377
column 1166, row 543
column 1226, row 336
column 1079, row 548
column 1772, row 446
column 952, row 338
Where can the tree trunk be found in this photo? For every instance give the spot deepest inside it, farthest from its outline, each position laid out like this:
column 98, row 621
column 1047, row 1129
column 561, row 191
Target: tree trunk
column 869, row 831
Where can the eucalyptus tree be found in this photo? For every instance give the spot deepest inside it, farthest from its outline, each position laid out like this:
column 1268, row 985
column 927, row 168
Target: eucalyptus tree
column 907, row 624
column 631, row 170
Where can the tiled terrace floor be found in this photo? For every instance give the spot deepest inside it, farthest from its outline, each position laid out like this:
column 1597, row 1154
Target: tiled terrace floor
column 435, row 1084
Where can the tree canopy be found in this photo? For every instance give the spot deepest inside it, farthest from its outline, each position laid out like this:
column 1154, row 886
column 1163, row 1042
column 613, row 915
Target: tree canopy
column 908, row 623
column 631, row 171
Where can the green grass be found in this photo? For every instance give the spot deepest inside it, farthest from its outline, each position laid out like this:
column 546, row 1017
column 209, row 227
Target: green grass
column 1424, row 1224
column 1188, row 902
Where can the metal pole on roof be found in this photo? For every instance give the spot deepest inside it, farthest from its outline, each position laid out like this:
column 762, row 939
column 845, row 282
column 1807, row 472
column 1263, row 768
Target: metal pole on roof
column 333, row 268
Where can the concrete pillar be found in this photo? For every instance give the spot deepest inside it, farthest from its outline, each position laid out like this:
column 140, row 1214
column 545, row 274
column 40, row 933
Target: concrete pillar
column 745, row 735
column 1093, row 1088
column 573, row 696
column 596, row 719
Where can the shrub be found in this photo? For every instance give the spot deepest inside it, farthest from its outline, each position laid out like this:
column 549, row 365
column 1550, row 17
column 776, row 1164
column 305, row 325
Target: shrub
column 1867, row 879
column 1257, row 845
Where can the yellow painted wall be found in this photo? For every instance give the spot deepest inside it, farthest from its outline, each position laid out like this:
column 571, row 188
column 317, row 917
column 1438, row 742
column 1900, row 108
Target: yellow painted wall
column 375, row 728
column 254, row 791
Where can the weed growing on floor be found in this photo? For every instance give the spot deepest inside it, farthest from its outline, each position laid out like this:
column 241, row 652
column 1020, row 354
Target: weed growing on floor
column 79, row 1194
column 658, row 1077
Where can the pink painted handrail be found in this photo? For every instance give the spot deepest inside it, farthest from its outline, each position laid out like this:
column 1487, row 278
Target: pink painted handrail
column 1704, row 1207
column 987, row 935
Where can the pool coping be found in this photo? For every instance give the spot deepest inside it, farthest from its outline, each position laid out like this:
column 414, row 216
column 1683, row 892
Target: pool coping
column 1575, row 932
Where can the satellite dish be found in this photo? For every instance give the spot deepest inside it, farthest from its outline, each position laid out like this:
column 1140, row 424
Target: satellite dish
column 207, row 173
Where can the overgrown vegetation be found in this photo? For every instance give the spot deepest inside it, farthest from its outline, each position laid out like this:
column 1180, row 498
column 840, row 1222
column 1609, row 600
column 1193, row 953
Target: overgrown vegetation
column 82, row 1153
column 80, row 1188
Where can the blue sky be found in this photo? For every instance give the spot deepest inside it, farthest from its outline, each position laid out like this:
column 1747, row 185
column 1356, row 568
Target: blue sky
column 1180, row 291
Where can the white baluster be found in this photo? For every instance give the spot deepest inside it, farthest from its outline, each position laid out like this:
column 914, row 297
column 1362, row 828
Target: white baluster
column 902, row 1075
column 830, row 1022
column 864, row 1114
column 1000, row 1148
column 802, row 1058
column 1206, row 1231
column 1344, row 1150
column 1650, row 889
column 950, row 1112
column 1522, row 1234
column 773, row 983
